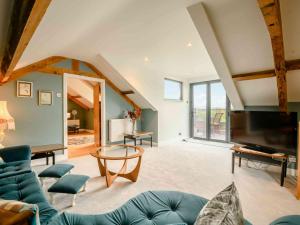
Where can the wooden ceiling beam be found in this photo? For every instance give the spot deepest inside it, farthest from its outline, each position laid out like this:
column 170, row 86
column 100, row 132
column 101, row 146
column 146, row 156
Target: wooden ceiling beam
column 35, row 67
column 26, row 16
column 62, row 71
column 130, row 92
column 290, row 65
column 271, row 13
column 111, row 84
column 75, row 64
column 254, row 75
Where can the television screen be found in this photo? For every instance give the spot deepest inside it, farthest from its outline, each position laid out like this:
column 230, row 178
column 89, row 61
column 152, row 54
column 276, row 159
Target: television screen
column 265, row 131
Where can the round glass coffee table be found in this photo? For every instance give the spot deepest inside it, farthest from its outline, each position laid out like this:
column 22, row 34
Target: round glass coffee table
column 122, row 153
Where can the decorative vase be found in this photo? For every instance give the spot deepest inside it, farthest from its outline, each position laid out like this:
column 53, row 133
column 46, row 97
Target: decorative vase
column 133, row 126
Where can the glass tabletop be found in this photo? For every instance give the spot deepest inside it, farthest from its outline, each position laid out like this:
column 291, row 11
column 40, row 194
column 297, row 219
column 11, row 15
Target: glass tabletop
column 115, row 152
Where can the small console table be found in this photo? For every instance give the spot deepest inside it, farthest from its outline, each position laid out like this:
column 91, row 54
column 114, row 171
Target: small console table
column 139, row 135
column 46, row 151
column 274, row 159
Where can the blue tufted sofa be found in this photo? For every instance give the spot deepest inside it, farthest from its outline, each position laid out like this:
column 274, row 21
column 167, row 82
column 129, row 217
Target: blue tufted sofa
column 149, row 208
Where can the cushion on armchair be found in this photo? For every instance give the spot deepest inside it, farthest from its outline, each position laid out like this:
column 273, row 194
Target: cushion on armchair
column 15, row 153
column 14, row 168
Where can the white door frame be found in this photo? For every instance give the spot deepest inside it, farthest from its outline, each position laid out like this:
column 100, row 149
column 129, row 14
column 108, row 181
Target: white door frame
column 65, row 107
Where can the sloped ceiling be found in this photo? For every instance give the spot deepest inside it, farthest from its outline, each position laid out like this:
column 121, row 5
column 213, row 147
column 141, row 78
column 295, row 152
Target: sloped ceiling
column 243, row 35
column 123, row 33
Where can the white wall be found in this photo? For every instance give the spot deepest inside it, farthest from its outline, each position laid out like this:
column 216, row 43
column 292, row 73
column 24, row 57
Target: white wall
column 173, row 116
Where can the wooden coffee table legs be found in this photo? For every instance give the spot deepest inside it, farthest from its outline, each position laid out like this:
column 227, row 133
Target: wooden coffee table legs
column 111, row 176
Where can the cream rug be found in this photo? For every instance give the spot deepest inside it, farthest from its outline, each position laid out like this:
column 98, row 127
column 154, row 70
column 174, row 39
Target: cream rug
column 198, row 168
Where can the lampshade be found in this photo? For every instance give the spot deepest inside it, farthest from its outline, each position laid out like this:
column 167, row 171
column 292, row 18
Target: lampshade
column 7, row 122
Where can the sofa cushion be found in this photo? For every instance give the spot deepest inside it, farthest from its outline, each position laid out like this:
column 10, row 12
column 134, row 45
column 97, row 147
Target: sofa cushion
column 14, row 168
column 26, row 188
column 223, row 209
column 287, row 220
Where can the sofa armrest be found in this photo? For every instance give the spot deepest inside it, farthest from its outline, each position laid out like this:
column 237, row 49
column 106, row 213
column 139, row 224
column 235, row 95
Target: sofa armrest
column 16, row 153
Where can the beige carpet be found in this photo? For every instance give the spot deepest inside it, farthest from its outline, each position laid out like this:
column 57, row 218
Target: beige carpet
column 189, row 167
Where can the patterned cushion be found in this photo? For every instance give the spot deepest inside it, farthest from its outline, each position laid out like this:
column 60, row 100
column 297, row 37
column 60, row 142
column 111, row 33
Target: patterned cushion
column 19, row 207
column 223, row 209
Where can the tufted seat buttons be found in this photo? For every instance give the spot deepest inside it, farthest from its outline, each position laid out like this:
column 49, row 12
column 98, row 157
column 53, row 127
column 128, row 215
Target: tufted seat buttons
column 173, row 208
column 150, row 216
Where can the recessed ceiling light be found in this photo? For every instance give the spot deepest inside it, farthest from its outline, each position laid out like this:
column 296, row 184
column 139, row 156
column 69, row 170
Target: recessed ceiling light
column 146, row 59
column 189, row 44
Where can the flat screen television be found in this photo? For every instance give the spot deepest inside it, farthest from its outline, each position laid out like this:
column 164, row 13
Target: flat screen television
column 265, row 131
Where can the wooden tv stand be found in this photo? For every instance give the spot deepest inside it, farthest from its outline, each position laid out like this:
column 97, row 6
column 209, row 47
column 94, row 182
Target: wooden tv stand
column 274, row 159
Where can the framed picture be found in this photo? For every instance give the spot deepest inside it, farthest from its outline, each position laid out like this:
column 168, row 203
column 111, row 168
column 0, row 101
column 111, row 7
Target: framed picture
column 45, row 97
column 24, row 89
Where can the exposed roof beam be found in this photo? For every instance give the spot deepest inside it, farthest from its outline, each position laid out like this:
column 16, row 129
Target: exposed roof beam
column 112, row 85
column 75, row 64
column 290, row 65
column 254, row 75
column 127, row 92
column 271, row 13
column 208, row 36
column 26, row 16
column 62, row 71
column 35, row 67
column 76, row 101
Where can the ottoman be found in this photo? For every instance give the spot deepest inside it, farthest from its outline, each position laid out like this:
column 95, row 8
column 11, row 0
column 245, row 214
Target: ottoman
column 56, row 171
column 69, row 184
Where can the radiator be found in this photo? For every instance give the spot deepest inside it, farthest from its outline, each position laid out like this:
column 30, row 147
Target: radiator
column 117, row 128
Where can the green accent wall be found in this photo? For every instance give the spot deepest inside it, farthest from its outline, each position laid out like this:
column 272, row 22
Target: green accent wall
column 85, row 116
column 35, row 125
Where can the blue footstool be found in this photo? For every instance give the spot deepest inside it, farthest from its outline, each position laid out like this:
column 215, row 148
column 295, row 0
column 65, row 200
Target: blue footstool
column 69, row 184
column 56, row 171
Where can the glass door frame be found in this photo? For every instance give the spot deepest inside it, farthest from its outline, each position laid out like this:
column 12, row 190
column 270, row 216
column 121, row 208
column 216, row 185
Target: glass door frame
column 208, row 113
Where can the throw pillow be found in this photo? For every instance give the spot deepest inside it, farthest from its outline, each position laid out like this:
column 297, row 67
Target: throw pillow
column 223, row 209
column 1, row 160
column 20, row 207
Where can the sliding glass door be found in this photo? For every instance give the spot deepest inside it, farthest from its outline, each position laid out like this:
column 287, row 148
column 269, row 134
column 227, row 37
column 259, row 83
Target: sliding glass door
column 209, row 111
column 199, row 99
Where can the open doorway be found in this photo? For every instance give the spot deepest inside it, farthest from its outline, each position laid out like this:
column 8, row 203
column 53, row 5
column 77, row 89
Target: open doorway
column 84, row 107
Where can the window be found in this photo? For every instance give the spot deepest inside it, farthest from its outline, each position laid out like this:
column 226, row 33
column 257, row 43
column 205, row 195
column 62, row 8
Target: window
column 173, row 89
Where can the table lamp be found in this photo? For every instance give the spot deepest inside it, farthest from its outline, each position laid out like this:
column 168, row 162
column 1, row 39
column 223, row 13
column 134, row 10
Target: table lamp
column 7, row 122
